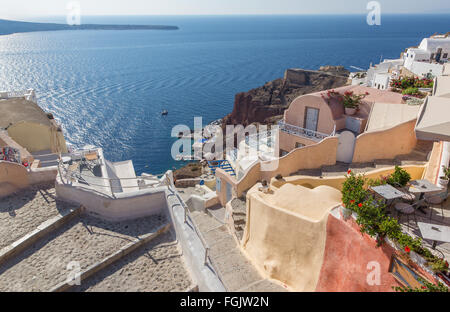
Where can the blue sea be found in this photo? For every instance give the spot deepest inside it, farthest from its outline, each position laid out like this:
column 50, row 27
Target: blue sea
column 108, row 88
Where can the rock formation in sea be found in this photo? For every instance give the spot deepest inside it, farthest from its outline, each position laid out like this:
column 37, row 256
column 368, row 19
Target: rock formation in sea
column 266, row 104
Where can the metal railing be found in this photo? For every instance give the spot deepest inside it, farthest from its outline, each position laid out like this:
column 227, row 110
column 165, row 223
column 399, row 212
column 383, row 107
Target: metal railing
column 71, row 175
column 305, row 133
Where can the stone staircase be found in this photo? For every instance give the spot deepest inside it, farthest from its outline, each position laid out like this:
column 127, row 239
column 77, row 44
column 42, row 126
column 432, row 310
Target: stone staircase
column 239, row 216
column 41, row 260
column 235, row 270
column 419, row 156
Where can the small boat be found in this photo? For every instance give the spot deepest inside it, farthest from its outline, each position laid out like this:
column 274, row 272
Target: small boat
column 164, row 113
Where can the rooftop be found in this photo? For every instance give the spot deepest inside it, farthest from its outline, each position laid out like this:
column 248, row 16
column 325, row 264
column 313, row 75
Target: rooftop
column 19, row 109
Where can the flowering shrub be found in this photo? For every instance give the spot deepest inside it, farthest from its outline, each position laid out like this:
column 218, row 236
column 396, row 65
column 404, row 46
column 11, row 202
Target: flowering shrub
column 373, row 220
column 412, row 82
column 349, row 99
column 353, row 192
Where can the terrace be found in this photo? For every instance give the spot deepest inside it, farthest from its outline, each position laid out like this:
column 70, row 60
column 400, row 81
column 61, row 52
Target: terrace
column 406, row 212
column 302, row 132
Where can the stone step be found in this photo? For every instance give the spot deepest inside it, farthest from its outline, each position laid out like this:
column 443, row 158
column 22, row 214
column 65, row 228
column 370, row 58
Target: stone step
column 84, row 240
column 204, row 222
column 381, row 163
column 217, row 212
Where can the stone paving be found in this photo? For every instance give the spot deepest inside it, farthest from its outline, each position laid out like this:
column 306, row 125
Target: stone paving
column 23, row 212
column 156, row 267
column 84, row 239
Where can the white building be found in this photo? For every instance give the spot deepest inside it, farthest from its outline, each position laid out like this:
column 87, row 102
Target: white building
column 429, row 57
column 379, row 76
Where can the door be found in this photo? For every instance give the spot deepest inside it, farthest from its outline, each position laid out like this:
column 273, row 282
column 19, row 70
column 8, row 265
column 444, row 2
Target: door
column 346, row 147
column 311, row 118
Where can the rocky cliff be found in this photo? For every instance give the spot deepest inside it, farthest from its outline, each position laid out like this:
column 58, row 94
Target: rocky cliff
column 267, row 104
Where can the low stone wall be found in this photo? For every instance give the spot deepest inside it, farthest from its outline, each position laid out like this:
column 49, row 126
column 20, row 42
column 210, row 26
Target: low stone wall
column 192, row 247
column 42, row 175
column 122, row 207
column 187, row 182
column 336, row 182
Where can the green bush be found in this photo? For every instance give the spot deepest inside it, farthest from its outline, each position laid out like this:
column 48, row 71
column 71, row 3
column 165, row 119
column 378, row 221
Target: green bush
column 353, row 192
column 399, row 177
column 411, row 91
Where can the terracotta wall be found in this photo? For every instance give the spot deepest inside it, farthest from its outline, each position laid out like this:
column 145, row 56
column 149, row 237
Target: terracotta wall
column 347, row 258
column 385, row 144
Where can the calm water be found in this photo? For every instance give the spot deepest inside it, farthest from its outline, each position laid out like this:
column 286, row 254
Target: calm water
column 109, row 87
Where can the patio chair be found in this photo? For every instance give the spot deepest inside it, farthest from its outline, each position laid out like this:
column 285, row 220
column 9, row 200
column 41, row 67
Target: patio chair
column 437, row 199
column 408, row 209
column 408, row 197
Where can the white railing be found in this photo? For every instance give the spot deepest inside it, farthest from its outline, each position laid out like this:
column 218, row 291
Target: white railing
column 305, row 133
column 29, row 95
column 267, row 138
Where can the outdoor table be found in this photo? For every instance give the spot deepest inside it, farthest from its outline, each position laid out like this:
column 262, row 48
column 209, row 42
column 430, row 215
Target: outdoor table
column 388, row 192
column 434, row 232
column 422, row 187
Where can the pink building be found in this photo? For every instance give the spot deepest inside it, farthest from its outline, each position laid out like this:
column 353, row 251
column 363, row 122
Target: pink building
column 312, row 118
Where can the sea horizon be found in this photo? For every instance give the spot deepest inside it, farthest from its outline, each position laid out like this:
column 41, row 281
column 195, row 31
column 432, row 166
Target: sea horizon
column 108, row 87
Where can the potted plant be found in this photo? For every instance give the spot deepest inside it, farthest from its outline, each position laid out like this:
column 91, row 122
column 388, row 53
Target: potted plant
column 352, row 101
column 443, row 180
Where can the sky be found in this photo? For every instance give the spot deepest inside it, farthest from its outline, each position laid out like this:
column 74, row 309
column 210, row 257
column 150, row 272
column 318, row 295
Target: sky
column 21, row 9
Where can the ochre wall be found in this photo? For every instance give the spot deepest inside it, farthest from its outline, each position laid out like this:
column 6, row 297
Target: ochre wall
column 310, row 157
column 385, row 144
column 13, row 177
column 7, row 141
column 284, row 245
column 432, row 170
column 37, row 137
column 287, row 141
column 416, row 173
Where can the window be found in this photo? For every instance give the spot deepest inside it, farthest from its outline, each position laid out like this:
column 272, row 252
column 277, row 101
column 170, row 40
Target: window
column 298, row 145
column 445, row 55
column 283, row 153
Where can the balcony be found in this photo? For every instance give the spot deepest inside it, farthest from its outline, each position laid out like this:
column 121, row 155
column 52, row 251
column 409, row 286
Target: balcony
column 304, row 133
